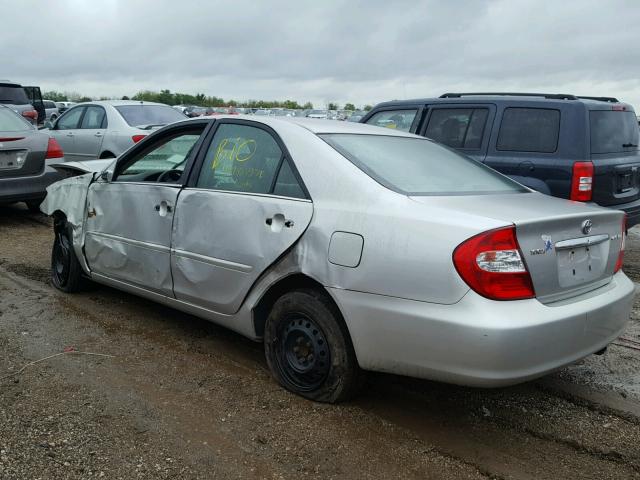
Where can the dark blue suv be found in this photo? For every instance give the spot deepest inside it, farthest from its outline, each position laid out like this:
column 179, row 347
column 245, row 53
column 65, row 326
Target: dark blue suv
column 579, row 148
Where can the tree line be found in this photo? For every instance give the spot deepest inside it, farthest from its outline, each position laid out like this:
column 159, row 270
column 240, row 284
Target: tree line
column 199, row 99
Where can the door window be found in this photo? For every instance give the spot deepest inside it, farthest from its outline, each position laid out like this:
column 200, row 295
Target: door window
column 70, row 120
column 94, row 118
column 397, row 119
column 529, row 130
column 163, row 161
column 458, row 127
column 287, row 184
column 241, row 159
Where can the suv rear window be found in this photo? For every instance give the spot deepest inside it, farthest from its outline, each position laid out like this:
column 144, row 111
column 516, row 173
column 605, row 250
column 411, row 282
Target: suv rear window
column 146, row 115
column 529, row 130
column 457, row 127
column 13, row 94
column 12, row 122
column 417, row 166
column 613, row 131
column 397, row 119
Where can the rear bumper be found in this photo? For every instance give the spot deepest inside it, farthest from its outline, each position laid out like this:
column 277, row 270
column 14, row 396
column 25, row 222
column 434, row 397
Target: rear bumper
column 21, row 189
column 480, row 342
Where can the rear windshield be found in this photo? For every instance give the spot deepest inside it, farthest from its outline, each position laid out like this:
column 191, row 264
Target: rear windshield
column 416, row 166
column 149, row 115
column 12, row 122
column 613, row 131
column 13, row 94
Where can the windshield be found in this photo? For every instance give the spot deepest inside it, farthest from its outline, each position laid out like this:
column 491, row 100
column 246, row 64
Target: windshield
column 416, row 166
column 12, row 122
column 13, row 94
column 140, row 115
column 613, row 131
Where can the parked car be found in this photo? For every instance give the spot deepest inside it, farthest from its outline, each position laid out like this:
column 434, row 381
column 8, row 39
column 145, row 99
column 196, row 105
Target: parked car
column 25, row 155
column 51, row 110
column 356, row 116
column 343, row 246
column 579, row 148
column 221, row 111
column 64, row 106
column 193, row 112
column 107, row 128
column 315, row 113
column 15, row 97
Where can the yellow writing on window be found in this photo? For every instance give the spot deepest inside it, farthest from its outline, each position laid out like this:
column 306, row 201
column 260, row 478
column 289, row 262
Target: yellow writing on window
column 233, row 149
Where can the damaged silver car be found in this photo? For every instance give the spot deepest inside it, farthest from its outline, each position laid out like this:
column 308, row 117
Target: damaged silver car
column 346, row 247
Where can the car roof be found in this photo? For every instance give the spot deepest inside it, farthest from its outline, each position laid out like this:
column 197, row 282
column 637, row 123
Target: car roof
column 591, row 103
column 118, row 103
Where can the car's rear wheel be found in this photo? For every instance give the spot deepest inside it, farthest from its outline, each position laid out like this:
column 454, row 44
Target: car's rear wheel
column 308, row 348
column 34, row 205
column 66, row 272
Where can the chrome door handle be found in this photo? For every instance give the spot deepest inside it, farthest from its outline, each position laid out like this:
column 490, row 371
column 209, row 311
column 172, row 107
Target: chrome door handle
column 98, row 134
column 69, row 134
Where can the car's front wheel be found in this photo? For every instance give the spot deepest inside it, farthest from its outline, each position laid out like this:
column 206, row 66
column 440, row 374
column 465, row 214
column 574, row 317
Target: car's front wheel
column 308, row 348
column 66, row 272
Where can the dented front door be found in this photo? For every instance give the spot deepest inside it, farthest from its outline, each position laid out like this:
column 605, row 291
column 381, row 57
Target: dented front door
column 128, row 233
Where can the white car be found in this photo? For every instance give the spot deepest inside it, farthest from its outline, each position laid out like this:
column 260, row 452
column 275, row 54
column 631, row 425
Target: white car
column 106, row 128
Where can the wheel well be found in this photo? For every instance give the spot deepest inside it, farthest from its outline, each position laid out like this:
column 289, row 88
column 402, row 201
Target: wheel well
column 292, row 282
column 107, row 154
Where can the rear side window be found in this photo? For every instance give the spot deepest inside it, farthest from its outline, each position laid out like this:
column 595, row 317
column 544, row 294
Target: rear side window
column 529, row 130
column 397, row 119
column 13, row 94
column 240, row 159
column 417, row 166
column 458, row 127
column 94, row 118
column 287, row 184
column 613, row 131
column 149, row 115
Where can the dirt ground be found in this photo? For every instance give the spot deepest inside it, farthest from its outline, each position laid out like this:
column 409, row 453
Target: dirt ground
column 174, row 397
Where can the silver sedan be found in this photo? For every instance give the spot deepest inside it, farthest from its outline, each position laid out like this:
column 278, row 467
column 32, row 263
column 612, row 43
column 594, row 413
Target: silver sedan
column 105, row 129
column 346, row 247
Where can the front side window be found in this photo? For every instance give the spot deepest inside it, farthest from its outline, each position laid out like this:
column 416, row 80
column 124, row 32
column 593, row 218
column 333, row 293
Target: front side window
column 529, row 130
column 241, row 158
column 457, row 127
column 163, row 161
column 70, row 119
column 417, row 166
column 396, row 119
column 94, row 118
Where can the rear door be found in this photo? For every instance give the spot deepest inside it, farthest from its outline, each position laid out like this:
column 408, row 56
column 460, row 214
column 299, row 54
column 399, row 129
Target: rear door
column 88, row 138
column 243, row 208
column 35, row 97
column 465, row 127
column 615, row 155
column 65, row 131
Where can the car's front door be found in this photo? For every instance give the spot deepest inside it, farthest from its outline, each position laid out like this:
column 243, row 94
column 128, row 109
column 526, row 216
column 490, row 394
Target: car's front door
column 65, row 129
column 128, row 228
column 91, row 132
column 244, row 206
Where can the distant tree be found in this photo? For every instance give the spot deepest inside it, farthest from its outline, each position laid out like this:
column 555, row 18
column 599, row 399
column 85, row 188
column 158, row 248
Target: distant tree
column 332, row 106
column 307, row 106
column 124, row 97
column 349, row 106
column 55, row 96
column 367, row 108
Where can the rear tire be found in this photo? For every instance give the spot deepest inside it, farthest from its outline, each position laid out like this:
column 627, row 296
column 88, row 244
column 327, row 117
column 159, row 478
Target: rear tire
column 34, row 205
column 308, row 348
column 66, row 272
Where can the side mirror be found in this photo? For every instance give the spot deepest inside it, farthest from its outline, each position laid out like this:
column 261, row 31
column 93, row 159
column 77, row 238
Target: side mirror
column 105, row 176
column 48, row 124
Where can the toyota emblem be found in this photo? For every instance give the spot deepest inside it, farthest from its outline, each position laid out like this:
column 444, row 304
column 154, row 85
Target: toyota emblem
column 586, row 226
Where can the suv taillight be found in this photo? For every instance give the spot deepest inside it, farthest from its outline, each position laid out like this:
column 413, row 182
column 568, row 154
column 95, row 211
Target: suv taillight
column 53, row 149
column 621, row 253
column 32, row 114
column 491, row 264
column 582, row 182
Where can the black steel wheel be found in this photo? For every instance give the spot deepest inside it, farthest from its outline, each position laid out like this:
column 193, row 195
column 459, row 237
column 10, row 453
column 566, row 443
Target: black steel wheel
column 308, row 347
column 66, row 272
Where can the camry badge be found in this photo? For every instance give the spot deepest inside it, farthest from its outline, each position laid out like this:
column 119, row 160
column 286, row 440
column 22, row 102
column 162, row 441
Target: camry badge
column 586, row 226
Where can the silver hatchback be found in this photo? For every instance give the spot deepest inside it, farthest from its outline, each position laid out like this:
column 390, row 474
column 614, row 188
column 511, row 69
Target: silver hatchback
column 346, row 247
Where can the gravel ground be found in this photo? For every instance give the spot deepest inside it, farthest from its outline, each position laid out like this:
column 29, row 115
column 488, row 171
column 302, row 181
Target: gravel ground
column 177, row 397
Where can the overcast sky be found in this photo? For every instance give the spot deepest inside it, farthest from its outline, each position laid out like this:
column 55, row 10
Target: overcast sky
column 332, row 50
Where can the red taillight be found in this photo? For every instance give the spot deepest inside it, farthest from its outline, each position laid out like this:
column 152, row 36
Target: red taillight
column 137, row 138
column 32, row 114
column 53, row 149
column 624, row 237
column 582, row 182
column 491, row 264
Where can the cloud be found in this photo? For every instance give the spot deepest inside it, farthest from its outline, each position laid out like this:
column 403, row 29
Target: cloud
column 336, row 50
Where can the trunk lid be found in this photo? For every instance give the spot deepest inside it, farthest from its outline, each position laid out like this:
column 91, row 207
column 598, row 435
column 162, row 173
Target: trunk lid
column 615, row 155
column 22, row 153
column 568, row 247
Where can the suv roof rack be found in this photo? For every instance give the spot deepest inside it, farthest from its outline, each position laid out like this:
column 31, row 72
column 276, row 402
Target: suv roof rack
column 602, row 99
column 555, row 96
